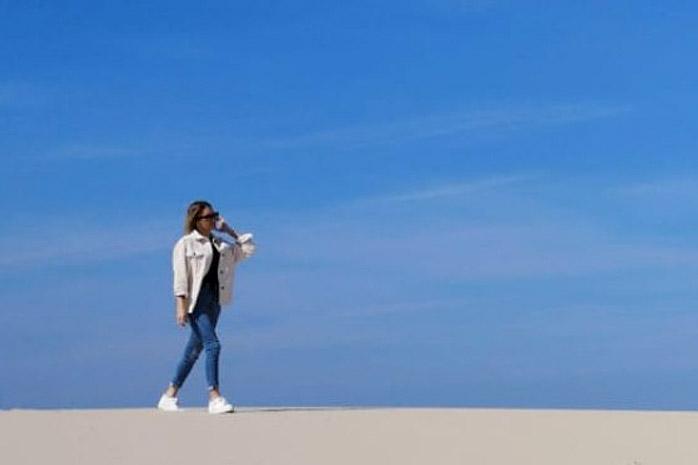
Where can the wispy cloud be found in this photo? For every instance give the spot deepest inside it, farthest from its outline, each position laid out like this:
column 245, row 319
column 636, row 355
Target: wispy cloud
column 506, row 231
column 668, row 203
column 75, row 242
column 453, row 124
column 675, row 187
column 451, row 189
column 86, row 152
column 93, row 152
column 496, row 251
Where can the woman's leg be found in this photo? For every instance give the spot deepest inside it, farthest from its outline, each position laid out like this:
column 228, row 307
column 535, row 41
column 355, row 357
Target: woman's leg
column 189, row 357
column 205, row 326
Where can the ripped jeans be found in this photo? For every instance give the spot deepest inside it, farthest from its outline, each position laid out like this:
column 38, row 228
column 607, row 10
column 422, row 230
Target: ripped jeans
column 203, row 337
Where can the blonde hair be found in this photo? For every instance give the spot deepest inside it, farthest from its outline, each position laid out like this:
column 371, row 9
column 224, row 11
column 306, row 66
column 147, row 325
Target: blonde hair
column 193, row 211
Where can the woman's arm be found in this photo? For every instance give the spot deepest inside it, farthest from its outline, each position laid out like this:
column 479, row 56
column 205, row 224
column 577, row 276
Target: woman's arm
column 179, row 267
column 181, row 314
column 181, row 283
column 244, row 247
column 225, row 227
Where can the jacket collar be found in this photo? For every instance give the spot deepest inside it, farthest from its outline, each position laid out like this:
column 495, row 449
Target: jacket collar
column 195, row 234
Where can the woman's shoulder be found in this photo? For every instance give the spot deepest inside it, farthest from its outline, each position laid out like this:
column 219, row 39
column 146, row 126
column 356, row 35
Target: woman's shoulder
column 183, row 240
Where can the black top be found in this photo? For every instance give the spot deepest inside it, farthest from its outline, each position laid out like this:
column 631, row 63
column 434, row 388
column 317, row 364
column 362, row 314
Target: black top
column 211, row 278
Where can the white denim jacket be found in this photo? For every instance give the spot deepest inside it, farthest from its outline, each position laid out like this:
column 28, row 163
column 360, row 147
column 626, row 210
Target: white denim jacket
column 191, row 260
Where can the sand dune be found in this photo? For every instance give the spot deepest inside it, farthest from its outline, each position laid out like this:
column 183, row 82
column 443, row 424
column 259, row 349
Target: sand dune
column 349, row 436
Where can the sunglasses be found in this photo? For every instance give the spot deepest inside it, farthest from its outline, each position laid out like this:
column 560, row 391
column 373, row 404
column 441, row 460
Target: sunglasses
column 210, row 216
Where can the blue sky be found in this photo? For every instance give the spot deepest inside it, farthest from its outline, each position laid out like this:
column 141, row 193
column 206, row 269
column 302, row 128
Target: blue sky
column 456, row 203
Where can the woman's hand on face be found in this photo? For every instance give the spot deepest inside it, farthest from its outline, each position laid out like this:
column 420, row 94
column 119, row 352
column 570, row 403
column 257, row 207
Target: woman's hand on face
column 221, row 225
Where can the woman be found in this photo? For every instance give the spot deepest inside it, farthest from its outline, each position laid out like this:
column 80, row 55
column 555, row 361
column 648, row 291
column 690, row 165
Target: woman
column 204, row 268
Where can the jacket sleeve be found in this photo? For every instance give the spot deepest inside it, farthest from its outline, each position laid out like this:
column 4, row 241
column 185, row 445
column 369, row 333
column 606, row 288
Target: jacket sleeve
column 179, row 266
column 243, row 251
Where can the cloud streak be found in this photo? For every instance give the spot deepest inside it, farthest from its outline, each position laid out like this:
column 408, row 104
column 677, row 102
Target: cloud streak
column 669, row 187
column 93, row 152
column 445, row 232
column 451, row 125
column 77, row 243
column 454, row 189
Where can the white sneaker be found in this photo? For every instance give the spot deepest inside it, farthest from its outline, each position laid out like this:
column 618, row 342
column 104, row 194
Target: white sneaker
column 219, row 405
column 168, row 403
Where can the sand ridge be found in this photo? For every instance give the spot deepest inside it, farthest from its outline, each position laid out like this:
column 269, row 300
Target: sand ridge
column 275, row 435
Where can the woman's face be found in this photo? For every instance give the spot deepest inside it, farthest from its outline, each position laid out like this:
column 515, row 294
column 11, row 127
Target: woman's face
column 206, row 221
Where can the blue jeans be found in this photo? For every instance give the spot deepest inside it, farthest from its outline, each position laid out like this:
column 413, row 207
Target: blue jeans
column 203, row 337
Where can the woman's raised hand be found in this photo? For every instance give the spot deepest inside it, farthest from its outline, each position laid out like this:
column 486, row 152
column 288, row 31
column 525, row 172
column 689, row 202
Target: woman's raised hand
column 221, row 225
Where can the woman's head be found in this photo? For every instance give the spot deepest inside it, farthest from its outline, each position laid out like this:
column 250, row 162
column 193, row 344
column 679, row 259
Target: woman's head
column 200, row 216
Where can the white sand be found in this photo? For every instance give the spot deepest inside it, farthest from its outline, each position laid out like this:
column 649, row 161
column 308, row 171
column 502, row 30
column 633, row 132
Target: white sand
column 349, row 436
